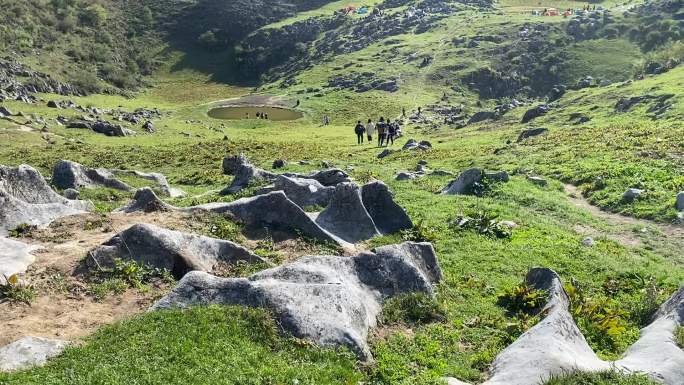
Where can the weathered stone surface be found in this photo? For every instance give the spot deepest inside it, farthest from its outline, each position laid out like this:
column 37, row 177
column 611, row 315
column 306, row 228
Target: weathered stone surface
column 656, row 353
column 537, row 180
column 463, row 185
column 532, row 132
column 346, row 216
column 278, row 163
column 679, row 203
column 172, row 250
column 304, row 192
column 246, row 174
column 25, row 198
column 387, row 215
column 15, row 257
column 146, row 201
column 331, row 300
column 329, row 177
column 67, row 174
column 232, row 163
column 535, row 112
column 159, row 179
column 71, row 194
column 385, row 153
column 404, row 175
column 632, row 194
column 28, row 352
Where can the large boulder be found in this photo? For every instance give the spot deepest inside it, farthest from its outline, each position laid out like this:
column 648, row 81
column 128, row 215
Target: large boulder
column 232, row 163
column 28, row 352
column 331, row 300
column 346, row 216
column 328, row 177
column 146, row 201
column 464, row 184
column 535, row 112
column 387, row 215
column 67, row 174
column 632, row 194
column 171, row 250
column 26, row 198
column 679, row 203
column 245, row 175
column 304, row 192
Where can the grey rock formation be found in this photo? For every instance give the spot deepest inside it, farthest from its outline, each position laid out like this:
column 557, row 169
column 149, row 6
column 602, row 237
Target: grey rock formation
column 387, row 215
column 232, row 163
column 246, row 174
column 412, row 144
column 588, row 242
column 28, row 352
column 632, row 194
column 555, row 346
column 329, row 177
column 67, row 174
column 175, row 251
column 679, row 203
column 463, row 185
column 532, row 132
column 15, row 257
column 304, row 192
column 331, row 300
column 146, row 201
column 278, row 163
column 346, row 216
column 405, row 175
column 159, row 179
column 25, row 198
column 385, row 153
column 71, row 194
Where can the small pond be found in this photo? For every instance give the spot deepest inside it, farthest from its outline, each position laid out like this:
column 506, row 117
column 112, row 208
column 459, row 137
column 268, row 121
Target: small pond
column 247, row 112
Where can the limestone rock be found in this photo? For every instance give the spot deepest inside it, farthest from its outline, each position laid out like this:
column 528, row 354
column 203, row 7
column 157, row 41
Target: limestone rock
column 679, row 204
column 387, row 215
column 246, row 174
column 463, row 185
column 25, row 198
column 172, row 250
column 67, row 174
column 232, row 163
column 538, row 181
column 346, row 216
column 329, row 299
column 304, row 192
column 146, row 201
column 531, row 133
column 15, row 257
column 71, row 194
column 632, row 194
column 28, row 352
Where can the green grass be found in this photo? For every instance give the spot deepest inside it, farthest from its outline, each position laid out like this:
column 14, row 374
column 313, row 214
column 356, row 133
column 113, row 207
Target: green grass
column 603, row 378
column 213, row 345
column 679, row 336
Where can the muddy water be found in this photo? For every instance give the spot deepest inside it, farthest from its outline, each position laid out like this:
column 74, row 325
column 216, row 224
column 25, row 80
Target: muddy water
column 238, row 113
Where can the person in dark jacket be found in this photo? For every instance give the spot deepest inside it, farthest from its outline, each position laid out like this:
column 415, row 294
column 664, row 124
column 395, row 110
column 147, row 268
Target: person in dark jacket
column 382, row 131
column 391, row 132
column 359, row 130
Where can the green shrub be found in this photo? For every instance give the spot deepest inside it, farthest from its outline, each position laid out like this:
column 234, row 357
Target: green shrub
column 127, row 274
column 602, row 378
column 420, row 232
column 14, row 290
column 23, row 230
column 412, row 308
column 482, row 222
column 522, row 299
column 679, row 336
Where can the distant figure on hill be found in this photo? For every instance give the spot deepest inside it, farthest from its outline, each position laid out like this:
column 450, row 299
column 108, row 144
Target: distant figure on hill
column 265, row 116
column 326, row 120
column 403, row 112
column 246, row 115
column 359, row 130
column 370, row 130
column 382, row 131
column 297, row 105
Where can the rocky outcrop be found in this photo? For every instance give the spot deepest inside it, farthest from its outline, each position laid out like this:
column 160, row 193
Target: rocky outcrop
column 25, row 198
column 304, row 192
column 331, row 300
column 535, row 112
column 472, row 180
column 102, row 127
column 15, row 257
column 387, row 215
column 28, row 352
column 328, row 177
column 67, row 174
column 174, row 251
column 71, row 175
column 245, row 175
column 555, row 346
column 146, row 201
column 679, row 201
column 346, row 216
column 413, row 144
column 632, row 194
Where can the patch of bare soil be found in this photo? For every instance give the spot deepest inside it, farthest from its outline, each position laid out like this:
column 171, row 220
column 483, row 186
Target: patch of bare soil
column 63, row 307
column 624, row 226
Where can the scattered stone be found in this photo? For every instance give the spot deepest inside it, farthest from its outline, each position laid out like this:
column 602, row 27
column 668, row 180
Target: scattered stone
column 232, row 163
column 71, row 175
column 174, row 251
column 412, row 144
column 149, row 127
column 71, row 194
column 279, row 163
column 464, row 184
column 52, row 104
column 5, row 112
column 588, row 242
column 26, row 198
column 535, row 112
column 632, row 194
column 331, row 300
column 29, row 352
column 531, row 133
column 385, row 153
column 146, row 201
column 680, row 201
column 538, row 181
column 442, row 173
column 404, row 176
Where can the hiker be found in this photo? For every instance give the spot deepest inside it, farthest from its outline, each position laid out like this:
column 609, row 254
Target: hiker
column 246, row 115
column 265, row 116
column 392, row 132
column 326, row 120
column 382, row 131
column 297, row 105
column 359, row 130
column 420, row 110
column 370, row 130
column 403, row 112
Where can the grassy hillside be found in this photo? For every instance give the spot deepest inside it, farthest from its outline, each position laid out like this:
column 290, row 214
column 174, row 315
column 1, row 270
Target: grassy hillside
column 471, row 58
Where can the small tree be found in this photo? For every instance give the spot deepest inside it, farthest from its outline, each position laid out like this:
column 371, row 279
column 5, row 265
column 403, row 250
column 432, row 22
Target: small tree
column 93, row 15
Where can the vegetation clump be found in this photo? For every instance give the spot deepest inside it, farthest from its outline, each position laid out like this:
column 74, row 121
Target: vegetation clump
column 15, row 290
column 412, row 309
column 522, row 299
column 484, row 223
column 601, row 378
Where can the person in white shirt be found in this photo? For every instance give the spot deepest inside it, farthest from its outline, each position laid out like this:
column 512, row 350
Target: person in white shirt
column 370, row 130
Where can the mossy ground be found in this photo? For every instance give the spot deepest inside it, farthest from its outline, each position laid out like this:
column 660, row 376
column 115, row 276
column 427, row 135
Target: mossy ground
column 229, row 345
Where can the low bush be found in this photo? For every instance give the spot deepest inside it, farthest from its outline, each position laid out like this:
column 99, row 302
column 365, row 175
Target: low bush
column 412, row 308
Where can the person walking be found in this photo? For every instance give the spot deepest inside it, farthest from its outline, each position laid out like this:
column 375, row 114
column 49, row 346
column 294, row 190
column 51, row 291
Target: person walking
column 359, row 130
column 370, row 130
column 382, row 131
column 392, row 132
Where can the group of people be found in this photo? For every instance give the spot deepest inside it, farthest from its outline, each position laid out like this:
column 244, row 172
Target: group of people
column 386, row 129
column 259, row 115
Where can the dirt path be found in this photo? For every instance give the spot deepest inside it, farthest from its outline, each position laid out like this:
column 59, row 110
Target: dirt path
column 624, row 231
